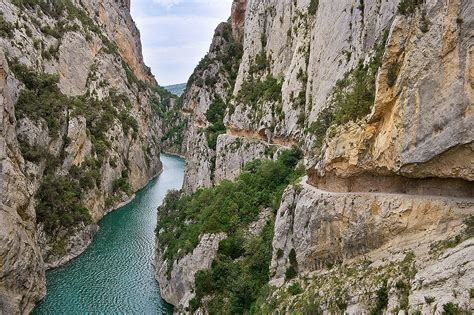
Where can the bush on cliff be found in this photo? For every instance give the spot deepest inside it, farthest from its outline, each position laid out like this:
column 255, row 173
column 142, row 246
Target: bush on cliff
column 254, row 91
column 215, row 116
column 408, row 7
column 59, row 203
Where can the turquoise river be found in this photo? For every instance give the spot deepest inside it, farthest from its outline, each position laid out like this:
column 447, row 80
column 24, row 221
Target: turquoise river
column 115, row 274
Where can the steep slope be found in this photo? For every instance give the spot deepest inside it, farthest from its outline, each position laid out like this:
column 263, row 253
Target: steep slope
column 205, row 101
column 80, row 133
column 176, row 89
column 378, row 95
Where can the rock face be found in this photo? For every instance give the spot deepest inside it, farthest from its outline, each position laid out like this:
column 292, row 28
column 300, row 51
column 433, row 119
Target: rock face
column 208, row 88
column 21, row 268
column 177, row 282
column 325, row 229
column 80, row 132
column 378, row 95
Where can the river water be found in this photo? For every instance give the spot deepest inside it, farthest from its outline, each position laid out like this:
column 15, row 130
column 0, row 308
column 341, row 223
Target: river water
column 114, row 275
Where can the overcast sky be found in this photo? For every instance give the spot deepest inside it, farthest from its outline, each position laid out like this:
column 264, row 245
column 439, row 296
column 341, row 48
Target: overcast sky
column 176, row 34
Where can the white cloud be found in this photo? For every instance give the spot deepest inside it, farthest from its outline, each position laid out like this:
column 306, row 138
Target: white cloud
column 167, row 3
column 177, row 36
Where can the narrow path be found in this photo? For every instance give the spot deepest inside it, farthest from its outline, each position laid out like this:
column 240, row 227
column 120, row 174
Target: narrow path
column 306, row 184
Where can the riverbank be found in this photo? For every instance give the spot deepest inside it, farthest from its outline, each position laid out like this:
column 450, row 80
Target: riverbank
column 115, row 273
column 83, row 236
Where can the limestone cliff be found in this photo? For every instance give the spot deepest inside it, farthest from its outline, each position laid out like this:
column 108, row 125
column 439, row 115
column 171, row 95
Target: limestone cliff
column 80, row 133
column 379, row 95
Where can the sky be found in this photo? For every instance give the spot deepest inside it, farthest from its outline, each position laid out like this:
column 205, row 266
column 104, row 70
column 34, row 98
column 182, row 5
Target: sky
column 176, row 34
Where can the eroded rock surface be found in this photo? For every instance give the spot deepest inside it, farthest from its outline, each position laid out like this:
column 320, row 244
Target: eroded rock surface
column 177, row 283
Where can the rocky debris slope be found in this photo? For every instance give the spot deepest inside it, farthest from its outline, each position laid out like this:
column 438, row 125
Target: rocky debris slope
column 80, row 133
column 379, row 96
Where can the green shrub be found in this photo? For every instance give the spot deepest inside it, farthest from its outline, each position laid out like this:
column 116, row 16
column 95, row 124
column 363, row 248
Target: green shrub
column 295, row 289
column 227, row 56
column 226, row 207
column 352, row 97
column 41, row 99
column 52, row 8
column 313, row 7
column 215, row 116
column 261, row 63
column 290, row 273
column 253, row 91
column 321, row 125
column 408, row 7
column 403, row 289
column 6, row 28
column 234, row 285
column 469, row 222
column 51, row 31
column 121, row 184
column 33, row 154
column 453, row 309
column 381, row 299
column 59, row 203
column 424, row 23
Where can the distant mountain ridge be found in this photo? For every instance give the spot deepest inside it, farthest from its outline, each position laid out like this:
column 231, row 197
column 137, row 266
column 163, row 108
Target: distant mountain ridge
column 176, row 89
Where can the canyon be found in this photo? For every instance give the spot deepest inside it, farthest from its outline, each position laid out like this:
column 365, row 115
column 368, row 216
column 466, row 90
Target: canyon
column 328, row 147
column 378, row 95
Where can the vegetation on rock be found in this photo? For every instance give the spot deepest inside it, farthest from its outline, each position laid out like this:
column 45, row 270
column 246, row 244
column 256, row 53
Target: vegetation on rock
column 353, row 96
column 6, row 28
column 254, row 91
column 60, row 197
column 241, row 269
column 59, row 203
column 215, row 116
column 313, row 7
column 407, row 7
column 226, row 207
